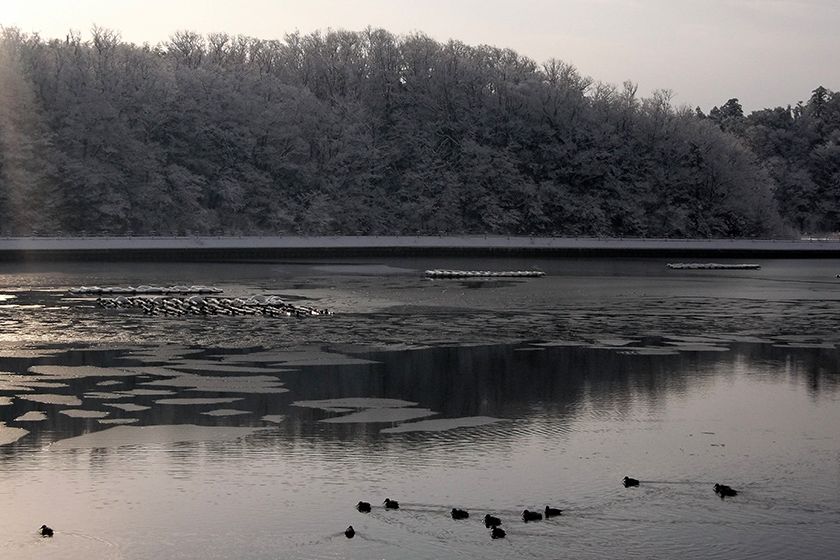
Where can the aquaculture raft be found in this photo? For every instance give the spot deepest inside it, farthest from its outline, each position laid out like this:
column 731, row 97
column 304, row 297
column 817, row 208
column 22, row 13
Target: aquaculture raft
column 196, row 305
column 139, row 290
column 712, row 266
column 484, row 274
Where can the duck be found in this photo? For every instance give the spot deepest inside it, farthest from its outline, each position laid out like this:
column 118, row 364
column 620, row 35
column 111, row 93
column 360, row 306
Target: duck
column 459, row 514
column 350, row 532
column 363, row 507
column 391, row 504
column 531, row 516
column 628, row 482
column 551, row 512
column 725, row 491
column 497, row 533
column 45, row 531
column 491, row 521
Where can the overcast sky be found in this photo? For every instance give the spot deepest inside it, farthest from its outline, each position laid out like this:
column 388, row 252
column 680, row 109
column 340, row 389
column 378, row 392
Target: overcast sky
column 764, row 52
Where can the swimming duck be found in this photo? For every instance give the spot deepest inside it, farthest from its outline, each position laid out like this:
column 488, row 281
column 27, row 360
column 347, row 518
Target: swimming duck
column 350, row 532
column 459, row 514
column 363, row 507
column 628, row 482
column 490, row 521
column 551, row 512
column 531, row 516
column 725, row 491
column 391, row 504
column 497, row 533
column 45, row 531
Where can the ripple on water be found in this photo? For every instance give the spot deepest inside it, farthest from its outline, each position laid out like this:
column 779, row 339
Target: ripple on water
column 160, row 434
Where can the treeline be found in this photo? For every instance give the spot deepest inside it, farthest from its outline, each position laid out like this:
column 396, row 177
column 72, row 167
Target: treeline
column 800, row 148
column 371, row 133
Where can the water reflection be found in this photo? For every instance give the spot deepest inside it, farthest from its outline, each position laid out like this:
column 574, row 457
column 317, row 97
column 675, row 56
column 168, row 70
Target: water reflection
column 565, row 423
column 543, row 388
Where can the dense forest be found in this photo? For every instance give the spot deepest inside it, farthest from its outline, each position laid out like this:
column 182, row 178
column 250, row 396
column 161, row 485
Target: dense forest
column 371, row 133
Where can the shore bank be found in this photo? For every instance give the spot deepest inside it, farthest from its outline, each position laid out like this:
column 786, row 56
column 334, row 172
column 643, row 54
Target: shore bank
column 280, row 247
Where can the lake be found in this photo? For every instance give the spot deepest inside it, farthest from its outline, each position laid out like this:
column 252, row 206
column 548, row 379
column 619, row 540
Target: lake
column 137, row 436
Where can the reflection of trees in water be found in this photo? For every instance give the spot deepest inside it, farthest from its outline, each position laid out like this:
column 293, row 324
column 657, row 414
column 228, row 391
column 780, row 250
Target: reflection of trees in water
column 542, row 389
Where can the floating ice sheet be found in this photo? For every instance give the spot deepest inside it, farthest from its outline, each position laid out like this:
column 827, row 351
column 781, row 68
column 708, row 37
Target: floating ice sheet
column 374, row 415
column 297, row 358
column 560, row 343
column 697, row 347
column 649, row 351
column 807, row 345
column 187, row 401
column 23, row 382
column 160, row 354
column 274, row 418
column 147, row 392
column 128, row 407
column 153, row 435
column 219, row 384
column 221, row 368
column 31, row 416
column 5, row 401
column 225, row 412
column 78, row 372
column 614, row 341
column 10, row 435
column 68, row 400
column 118, row 420
column 81, row 413
column 27, row 353
column 442, row 424
column 353, row 403
column 99, row 395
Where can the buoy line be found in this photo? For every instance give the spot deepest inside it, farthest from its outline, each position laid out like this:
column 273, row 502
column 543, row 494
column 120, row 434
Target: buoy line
column 196, row 305
column 437, row 273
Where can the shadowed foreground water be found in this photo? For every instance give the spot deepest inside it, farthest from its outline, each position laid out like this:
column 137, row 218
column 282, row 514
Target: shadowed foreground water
column 570, row 423
column 132, row 442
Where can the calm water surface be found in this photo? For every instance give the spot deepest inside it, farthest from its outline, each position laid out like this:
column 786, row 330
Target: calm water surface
column 248, row 437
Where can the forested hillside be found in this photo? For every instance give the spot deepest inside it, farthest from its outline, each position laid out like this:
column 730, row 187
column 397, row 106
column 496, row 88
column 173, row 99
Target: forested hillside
column 370, row 133
column 800, row 147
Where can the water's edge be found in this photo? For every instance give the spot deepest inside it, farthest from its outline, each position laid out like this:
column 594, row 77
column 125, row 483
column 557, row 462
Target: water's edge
column 274, row 247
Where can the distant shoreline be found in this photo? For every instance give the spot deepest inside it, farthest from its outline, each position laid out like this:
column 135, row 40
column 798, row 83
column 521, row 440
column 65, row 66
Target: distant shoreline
column 277, row 247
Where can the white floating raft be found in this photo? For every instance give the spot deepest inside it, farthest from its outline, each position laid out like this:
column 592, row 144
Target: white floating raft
column 712, row 266
column 437, row 273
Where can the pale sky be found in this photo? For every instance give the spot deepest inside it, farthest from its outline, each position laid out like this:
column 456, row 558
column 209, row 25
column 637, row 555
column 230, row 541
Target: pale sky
column 764, row 52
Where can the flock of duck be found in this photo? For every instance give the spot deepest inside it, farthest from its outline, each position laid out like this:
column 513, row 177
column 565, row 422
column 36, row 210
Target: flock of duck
column 491, row 522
